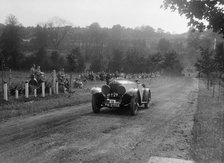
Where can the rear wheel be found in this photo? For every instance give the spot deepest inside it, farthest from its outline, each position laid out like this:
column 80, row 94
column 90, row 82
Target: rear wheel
column 96, row 103
column 134, row 105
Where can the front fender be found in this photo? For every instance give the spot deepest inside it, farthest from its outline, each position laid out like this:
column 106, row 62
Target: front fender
column 146, row 94
column 95, row 90
column 129, row 94
column 132, row 92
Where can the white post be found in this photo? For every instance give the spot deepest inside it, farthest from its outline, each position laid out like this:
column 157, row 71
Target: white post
column 43, row 89
column 5, row 88
column 17, row 94
column 50, row 91
column 26, row 89
column 54, row 76
column 35, row 92
column 56, row 87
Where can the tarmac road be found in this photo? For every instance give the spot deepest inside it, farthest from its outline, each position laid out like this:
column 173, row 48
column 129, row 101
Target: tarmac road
column 76, row 134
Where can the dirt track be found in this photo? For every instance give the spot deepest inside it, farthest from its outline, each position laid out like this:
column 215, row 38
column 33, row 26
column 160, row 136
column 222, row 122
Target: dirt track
column 75, row 134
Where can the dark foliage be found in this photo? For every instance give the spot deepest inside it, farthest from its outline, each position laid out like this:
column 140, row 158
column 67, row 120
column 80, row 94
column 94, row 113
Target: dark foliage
column 75, row 61
column 199, row 11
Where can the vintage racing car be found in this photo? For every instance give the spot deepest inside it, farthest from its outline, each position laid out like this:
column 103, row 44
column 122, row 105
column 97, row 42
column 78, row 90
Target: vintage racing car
column 119, row 93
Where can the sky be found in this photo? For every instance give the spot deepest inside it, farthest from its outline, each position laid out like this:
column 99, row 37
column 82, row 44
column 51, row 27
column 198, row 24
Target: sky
column 128, row 13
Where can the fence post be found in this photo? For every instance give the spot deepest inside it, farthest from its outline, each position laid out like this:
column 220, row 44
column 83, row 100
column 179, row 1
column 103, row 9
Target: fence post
column 64, row 89
column 56, row 87
column 43, row 89
column 17, row 94
column 5, row 88
column 26, row 89
column 54, row 81
column 35, row 92
column 50, row 91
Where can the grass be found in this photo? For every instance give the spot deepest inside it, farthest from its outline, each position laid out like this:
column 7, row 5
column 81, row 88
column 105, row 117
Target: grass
column 22, row 106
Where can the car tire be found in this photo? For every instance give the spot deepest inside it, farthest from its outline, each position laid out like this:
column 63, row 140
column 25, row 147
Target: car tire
column 134, row 105
column 96, row 103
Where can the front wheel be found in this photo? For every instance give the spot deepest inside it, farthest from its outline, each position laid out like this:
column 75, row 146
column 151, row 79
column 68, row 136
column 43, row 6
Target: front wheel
column 134, row 105
column 96, row 103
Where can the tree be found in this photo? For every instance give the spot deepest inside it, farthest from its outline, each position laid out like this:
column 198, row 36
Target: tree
column 75, row 60
column 156, row 62
column 10, row 42
column 41, row 37
column 115, row 64
column 202, row 14
column 41, row 58
column 171, row 63
column 97, row 63
column 206, row 63
column 163, row 45
column 57, row 29
column 219, row 57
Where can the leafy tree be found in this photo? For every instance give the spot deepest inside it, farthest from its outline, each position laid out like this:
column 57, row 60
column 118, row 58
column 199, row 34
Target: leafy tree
column 56, row 60
column 115, row 64
column 171, row 63
column 97, row 63
column 57, row 29
column 75, row 60
column 205, row 64
column 130, row 61
column 219, row 57
column 200, row 11
column 41, row 58
column 40, row 37
column 155, row 62
column 163, row 45
column 10, row 42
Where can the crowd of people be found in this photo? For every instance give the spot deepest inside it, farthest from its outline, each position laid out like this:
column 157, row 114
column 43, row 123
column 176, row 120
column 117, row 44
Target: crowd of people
column 37, row 74
column 63, row 79
column 104, row 76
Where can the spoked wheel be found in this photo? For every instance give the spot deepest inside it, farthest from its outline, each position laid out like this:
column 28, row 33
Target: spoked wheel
column 134, row 105
column 96, row 103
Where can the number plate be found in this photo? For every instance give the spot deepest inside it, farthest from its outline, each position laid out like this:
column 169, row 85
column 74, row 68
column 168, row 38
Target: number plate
column 112, row 103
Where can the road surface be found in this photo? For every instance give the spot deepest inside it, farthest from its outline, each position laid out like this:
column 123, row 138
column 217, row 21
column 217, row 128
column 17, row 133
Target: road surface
column 76, row 134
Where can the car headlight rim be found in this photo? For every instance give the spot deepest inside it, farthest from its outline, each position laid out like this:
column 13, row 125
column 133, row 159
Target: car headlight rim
column 105, row 89
column 121, row 90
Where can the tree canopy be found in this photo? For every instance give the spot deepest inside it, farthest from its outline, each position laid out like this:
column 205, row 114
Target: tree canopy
column 202, row 14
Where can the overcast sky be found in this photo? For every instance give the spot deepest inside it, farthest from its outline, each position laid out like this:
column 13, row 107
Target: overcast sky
column 128, row 13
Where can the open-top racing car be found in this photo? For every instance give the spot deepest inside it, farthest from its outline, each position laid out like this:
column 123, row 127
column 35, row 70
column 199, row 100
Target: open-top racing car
column 119, row 93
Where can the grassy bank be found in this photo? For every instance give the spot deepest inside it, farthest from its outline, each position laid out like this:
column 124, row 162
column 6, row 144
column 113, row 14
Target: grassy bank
column 208, row 130
column 23, row 106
